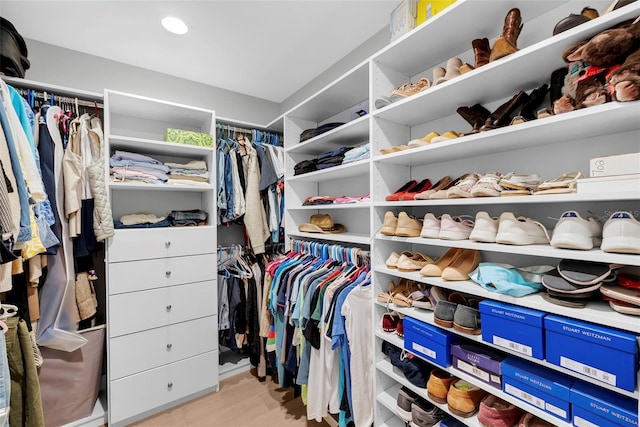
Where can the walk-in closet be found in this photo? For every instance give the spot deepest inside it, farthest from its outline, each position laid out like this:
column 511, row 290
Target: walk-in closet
column 308, row 213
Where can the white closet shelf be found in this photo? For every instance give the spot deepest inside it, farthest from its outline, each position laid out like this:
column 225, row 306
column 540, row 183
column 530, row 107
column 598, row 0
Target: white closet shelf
column 486, row 18
column 143, row 107
column 598, row 312
column 337, row 172
column 160, row 187
column 426, row 316
column 347, row 135
column 276, row 124
column 595, row 255
column 584, row 123
column 53, row 89
column 388, row 398
column 356, row 238
column 396, row 374
column 500, row 79
column 548, row 198
column 343, row 93
column 332, row 207
column 150, row 146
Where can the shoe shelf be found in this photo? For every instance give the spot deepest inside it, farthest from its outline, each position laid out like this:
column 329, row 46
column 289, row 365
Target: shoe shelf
column 408, row 54
column 388, row 398
column 350, row 134
column 354, row 238
column 427, row 316
column 396, row 374
column 549, row 251
column 583, row 123
column 388, row 369
column 547, row 198
column 595, row 312
column 337, row 172
column 498, row 79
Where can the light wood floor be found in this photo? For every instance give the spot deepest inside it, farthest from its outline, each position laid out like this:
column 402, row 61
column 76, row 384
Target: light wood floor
column 242, row 401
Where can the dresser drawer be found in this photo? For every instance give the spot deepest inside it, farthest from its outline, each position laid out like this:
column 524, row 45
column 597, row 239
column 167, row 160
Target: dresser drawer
column 157, row 273
column 134, row 244
column 151, row 389
column 133, row 353
column 139, row 311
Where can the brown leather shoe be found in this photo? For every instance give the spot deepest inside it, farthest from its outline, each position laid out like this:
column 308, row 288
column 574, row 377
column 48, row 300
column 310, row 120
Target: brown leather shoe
column 481, row 51
column 502, row 115
column 476, row 115
column 506, row 44
column 438, row 385
column 464, row 398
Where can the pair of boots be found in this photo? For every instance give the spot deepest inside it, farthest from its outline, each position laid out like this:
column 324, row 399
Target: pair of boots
column 482, row 119
column 505, row 44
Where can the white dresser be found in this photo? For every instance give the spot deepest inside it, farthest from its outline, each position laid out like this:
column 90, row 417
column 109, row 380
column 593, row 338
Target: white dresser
column 161, row 282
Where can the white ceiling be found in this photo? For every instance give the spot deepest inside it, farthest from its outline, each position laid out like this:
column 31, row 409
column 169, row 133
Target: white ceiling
column 264, row 48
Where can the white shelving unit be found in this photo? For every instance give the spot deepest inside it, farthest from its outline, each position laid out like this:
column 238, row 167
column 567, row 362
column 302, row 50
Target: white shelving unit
column 549, row 147
column 331, row 104
column 162, row 330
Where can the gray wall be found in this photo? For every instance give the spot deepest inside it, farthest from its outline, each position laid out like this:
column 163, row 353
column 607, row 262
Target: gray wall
column 355, row 57
column 64, row 67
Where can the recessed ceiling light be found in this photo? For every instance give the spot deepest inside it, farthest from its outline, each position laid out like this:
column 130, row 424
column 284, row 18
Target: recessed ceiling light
column 174, row 25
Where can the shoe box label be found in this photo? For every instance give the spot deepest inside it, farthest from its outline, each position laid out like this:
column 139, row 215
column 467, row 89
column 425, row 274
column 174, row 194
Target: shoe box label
column 424, row 350
column 581, row 422
column 587, row 370
column 512, row 345
column 535, row 401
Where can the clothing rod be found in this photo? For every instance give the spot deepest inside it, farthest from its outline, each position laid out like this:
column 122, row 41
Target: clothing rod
column 232, row 128
column 58, row 90
column 46, row 96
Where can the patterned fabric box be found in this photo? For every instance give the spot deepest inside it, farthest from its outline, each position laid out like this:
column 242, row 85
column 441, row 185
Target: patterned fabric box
column 188, row 137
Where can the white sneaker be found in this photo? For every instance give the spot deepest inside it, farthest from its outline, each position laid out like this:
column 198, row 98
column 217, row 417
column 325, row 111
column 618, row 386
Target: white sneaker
column 520, row 181
column 430, row 227
column 463, row 187
column 520, row 231
column 574, row 232
column 485, row 229
column 487, row 186
column 621, row 233
column 455, row 228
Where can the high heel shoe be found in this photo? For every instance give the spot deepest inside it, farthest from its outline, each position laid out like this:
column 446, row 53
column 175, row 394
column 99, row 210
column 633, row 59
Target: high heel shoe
column 464, row 264
column 435, row 269
column 506, row 43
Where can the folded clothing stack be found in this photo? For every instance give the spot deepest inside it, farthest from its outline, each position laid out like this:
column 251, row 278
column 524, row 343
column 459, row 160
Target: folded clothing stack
column 332, row 158
column 142, row 220
column 305, row 166
column 128, row 166
column 312, row 133
column 187, row 218
column 356, row 154
column 191, row 173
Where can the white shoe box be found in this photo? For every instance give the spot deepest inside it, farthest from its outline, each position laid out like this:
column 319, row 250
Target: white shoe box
column 623, row 164
column 610, row 184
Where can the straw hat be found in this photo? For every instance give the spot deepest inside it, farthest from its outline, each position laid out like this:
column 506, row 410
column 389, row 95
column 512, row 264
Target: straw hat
column 321, row 223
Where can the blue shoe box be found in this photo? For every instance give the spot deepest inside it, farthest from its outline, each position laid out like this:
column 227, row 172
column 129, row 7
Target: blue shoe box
column 478, row 361
column 592, row 405
column 515, row 328
column 545, row 389
column 429, row 342
column 601, row 353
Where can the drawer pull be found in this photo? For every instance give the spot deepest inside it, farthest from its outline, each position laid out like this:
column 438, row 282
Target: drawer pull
column 167, row 273
column 167, row 244
column 169, row 307
column 169, row 385
column 169, row 346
